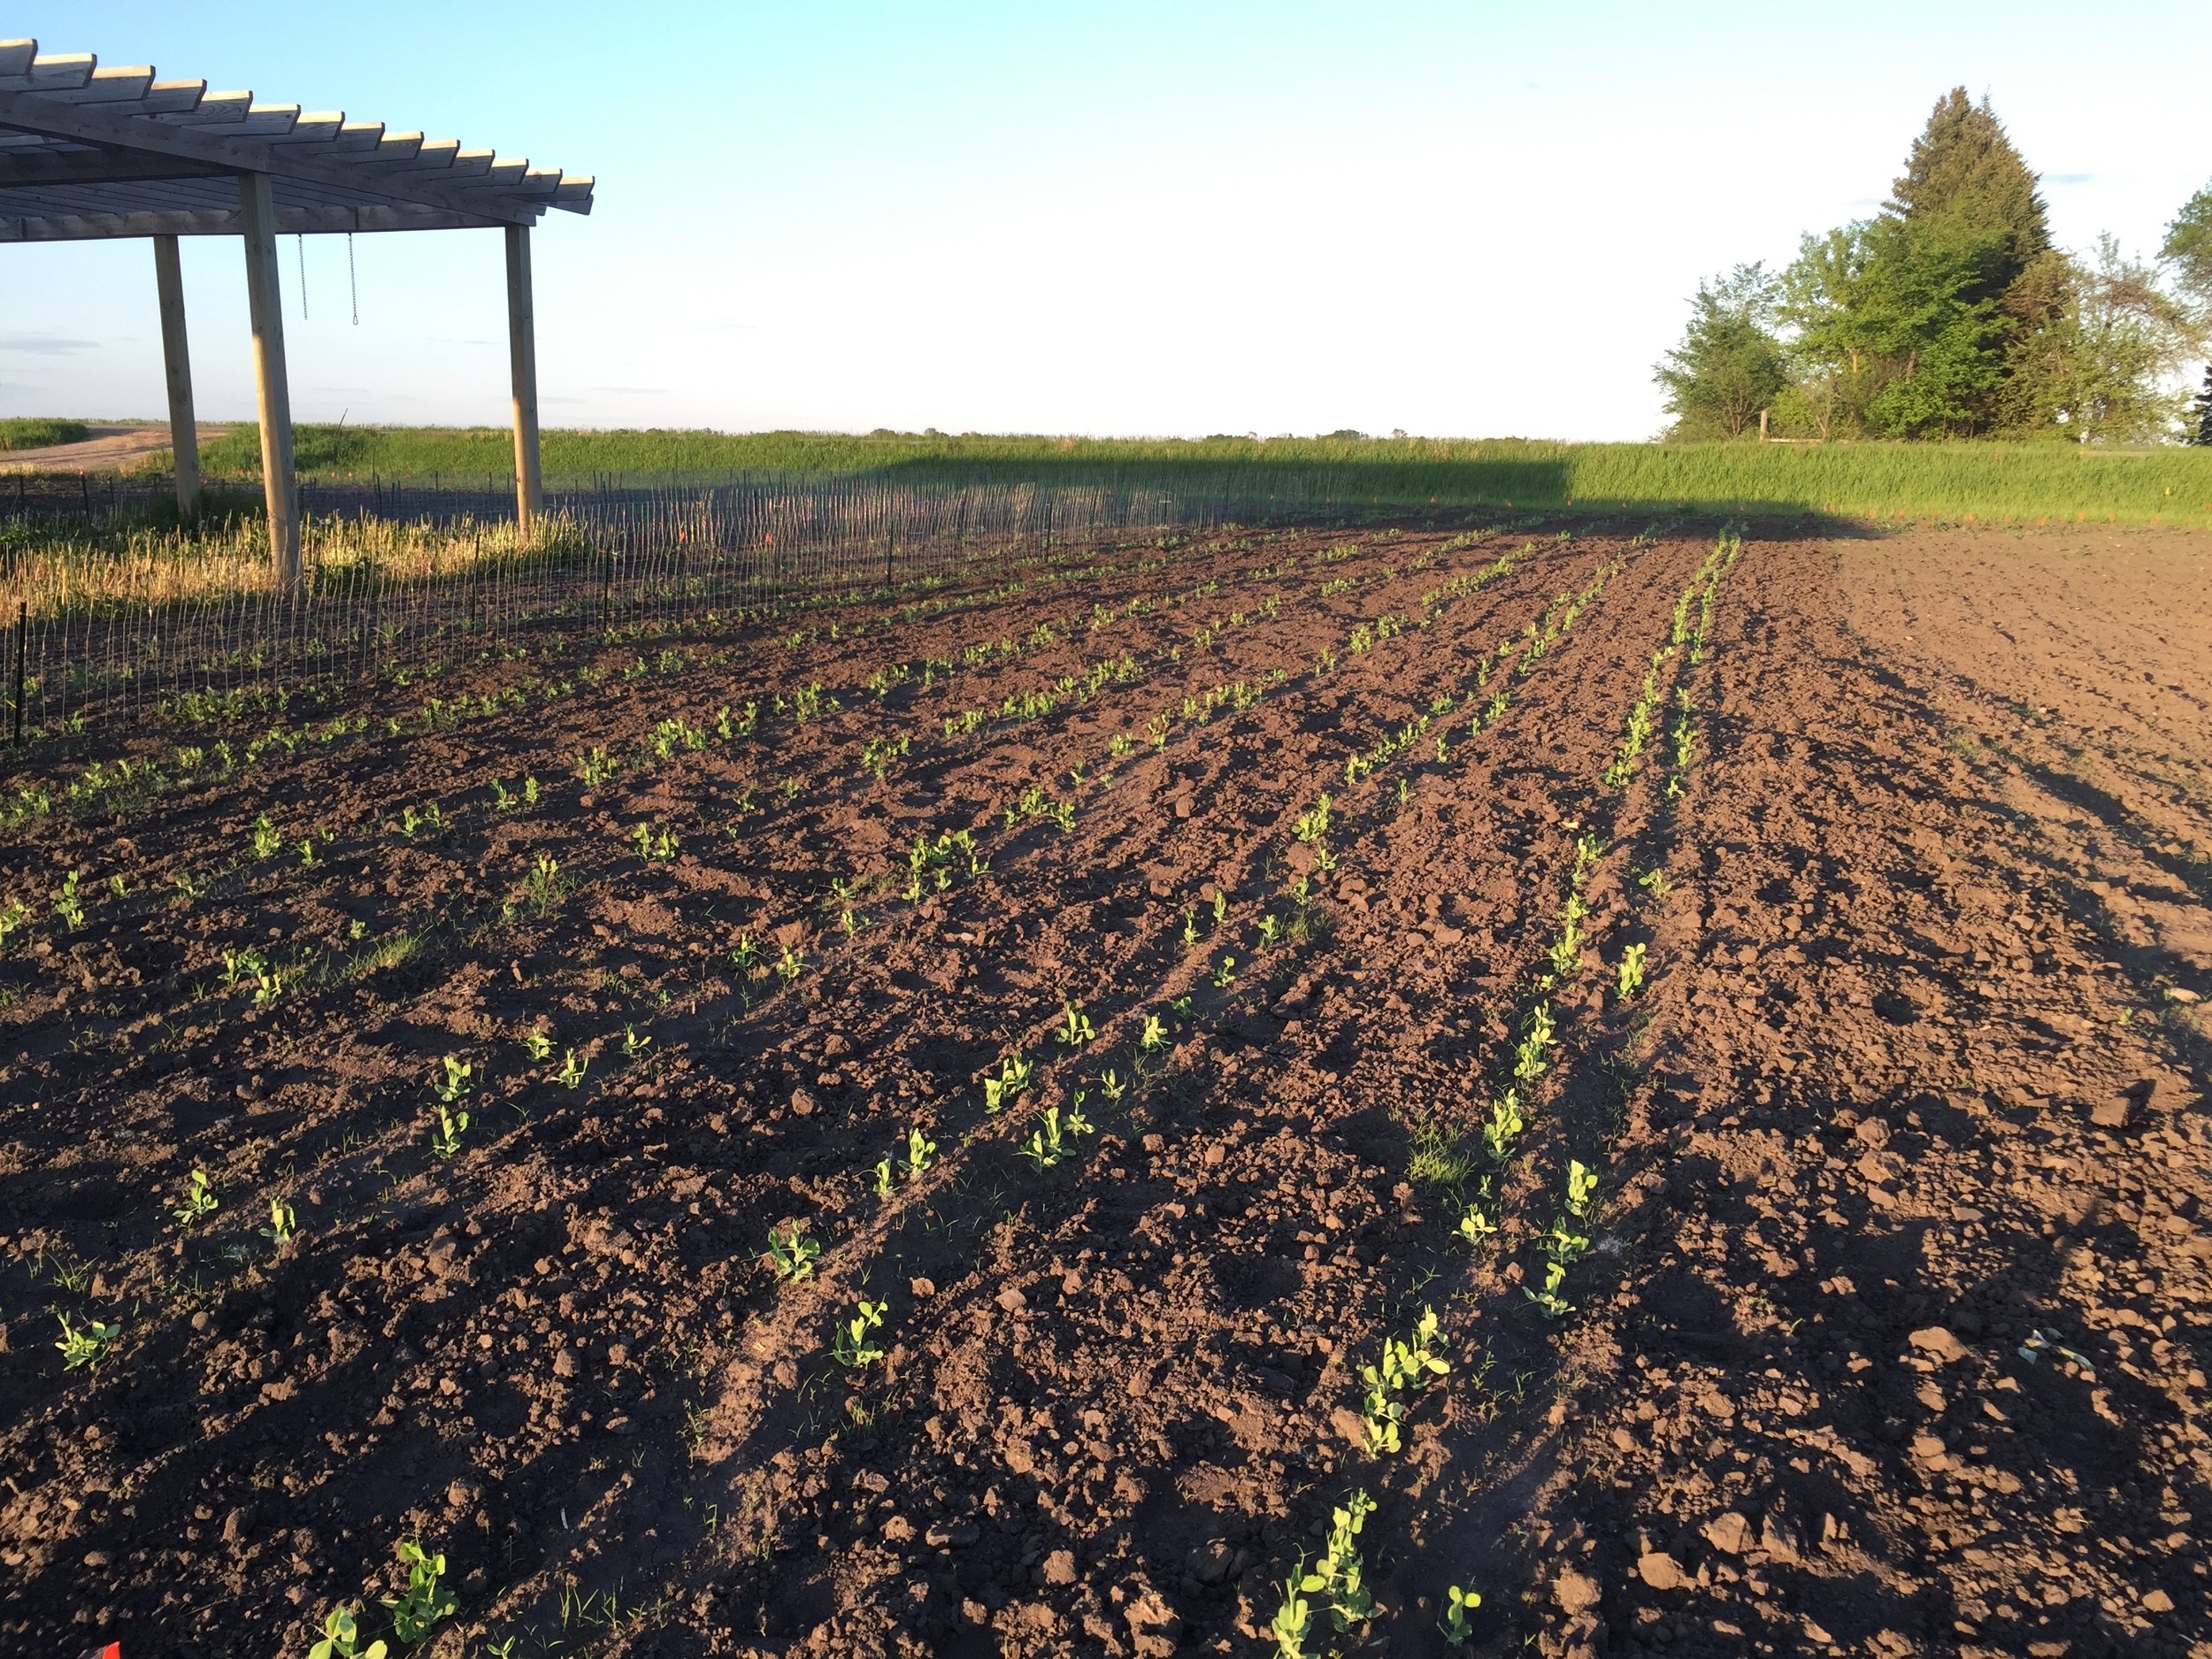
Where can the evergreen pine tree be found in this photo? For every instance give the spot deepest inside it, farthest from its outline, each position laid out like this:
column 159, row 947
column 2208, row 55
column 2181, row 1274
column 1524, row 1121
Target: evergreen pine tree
column 2203, row 411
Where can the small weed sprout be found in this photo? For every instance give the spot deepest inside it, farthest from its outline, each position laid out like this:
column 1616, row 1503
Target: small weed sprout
column 425, row 1601
column 445, row 1140
column 341, row 1639
column 572, row 1070
column 1055, row 1142
column 1632, row 970
column 792, row 1253
column 87, row 1344
column 198, row 1202
column 1454, row 1624
column 851, row 1346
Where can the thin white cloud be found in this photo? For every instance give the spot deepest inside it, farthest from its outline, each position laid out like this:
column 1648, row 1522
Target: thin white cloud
column 45, row 345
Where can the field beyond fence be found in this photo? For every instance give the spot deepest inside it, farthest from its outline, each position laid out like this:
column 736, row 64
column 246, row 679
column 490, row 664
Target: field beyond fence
column 412, row 550
column 2043, row 481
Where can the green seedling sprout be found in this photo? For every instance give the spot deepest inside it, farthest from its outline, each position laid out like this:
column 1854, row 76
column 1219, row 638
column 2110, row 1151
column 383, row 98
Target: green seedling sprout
column 544, row 884
column 1294, row 1617
column 1153, row 1037
column 743, row 954
column 425, row 1601
column 1406, row 1367
column 1653, row 882
column 1055, row 1141
column 790, row 965
column 12, row 916
column 1112, row 1087
column 1221, row 906
column 68, row 905
column 341, row 1640
column 883, row 1178
column 1582, row 1189
column 1337, row 1575
column 265, row 840
column 1226, row 974
column 1632, row 970
column 282, row 1223
column 792, row 1253
column 1075, row 1030
column 1270, row 930
column 634, row 1045
column 1190, row 926
column 536, row 1044
column 1013, row 1078
column 199, row 1201
column 1528, row 1059
column 850, row 1345
column 1549, row 1299
column 456, row 1082
column 919, row 1150
column 529, row 791
column 594, row 768
column 445, row 1140
column 85, row 1344
column 1454, row 1624
column 1474, row 1226
column 572, row 1070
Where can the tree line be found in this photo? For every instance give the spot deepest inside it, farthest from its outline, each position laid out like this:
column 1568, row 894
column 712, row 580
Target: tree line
column 1951, row 314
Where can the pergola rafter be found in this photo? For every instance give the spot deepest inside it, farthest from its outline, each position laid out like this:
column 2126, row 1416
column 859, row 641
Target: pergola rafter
column 91, row 154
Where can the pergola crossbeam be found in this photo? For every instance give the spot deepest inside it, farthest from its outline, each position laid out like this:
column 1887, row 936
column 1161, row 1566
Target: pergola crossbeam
column 89, row 154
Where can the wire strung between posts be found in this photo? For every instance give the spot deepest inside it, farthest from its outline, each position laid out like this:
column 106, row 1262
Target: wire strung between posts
column 302, row 243
column 353, row 285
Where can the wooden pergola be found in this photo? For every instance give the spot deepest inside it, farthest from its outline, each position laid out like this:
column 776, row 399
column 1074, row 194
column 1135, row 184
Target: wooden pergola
column 87, row 154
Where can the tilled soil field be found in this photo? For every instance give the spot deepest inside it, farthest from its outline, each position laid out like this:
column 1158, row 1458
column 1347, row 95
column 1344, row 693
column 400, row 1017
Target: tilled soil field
column 937, row 1123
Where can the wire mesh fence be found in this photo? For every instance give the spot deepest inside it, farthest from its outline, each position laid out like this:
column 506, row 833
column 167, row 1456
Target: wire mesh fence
column 105, row 634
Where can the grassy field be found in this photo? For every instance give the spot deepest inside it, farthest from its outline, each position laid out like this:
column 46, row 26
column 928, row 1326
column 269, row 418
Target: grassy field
column 1987, row 480
column 33, row 431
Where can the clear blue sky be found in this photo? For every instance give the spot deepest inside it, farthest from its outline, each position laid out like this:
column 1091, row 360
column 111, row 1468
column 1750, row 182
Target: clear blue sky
column 1467, row 219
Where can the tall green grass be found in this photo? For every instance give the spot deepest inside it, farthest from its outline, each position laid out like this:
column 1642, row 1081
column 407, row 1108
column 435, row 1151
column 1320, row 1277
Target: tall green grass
column 37, row 432
column 1885, row 480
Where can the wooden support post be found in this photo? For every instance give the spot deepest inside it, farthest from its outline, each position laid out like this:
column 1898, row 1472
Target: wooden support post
column 273, row 392
column 176, row 356
column 522, row 354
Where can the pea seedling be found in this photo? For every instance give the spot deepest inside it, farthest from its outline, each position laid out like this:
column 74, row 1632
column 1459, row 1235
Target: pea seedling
column 456, row 1082
column 792, row 1253
column 445, row 1140
column 84, row 1344
column 1075, row 1030
column 1013, row 1078
column 919, row 1150
column 572, row 1070
column 850, row 1346
column 536, row 1044
column 265, row 840
column 1632, row 970
column 633, row 1044
column 1454, row 1624
column 282, row 1223
column 341, row 1639
column 1055, row 1142
column 68, row 905
column 199, row 1201
column 425, row 1601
